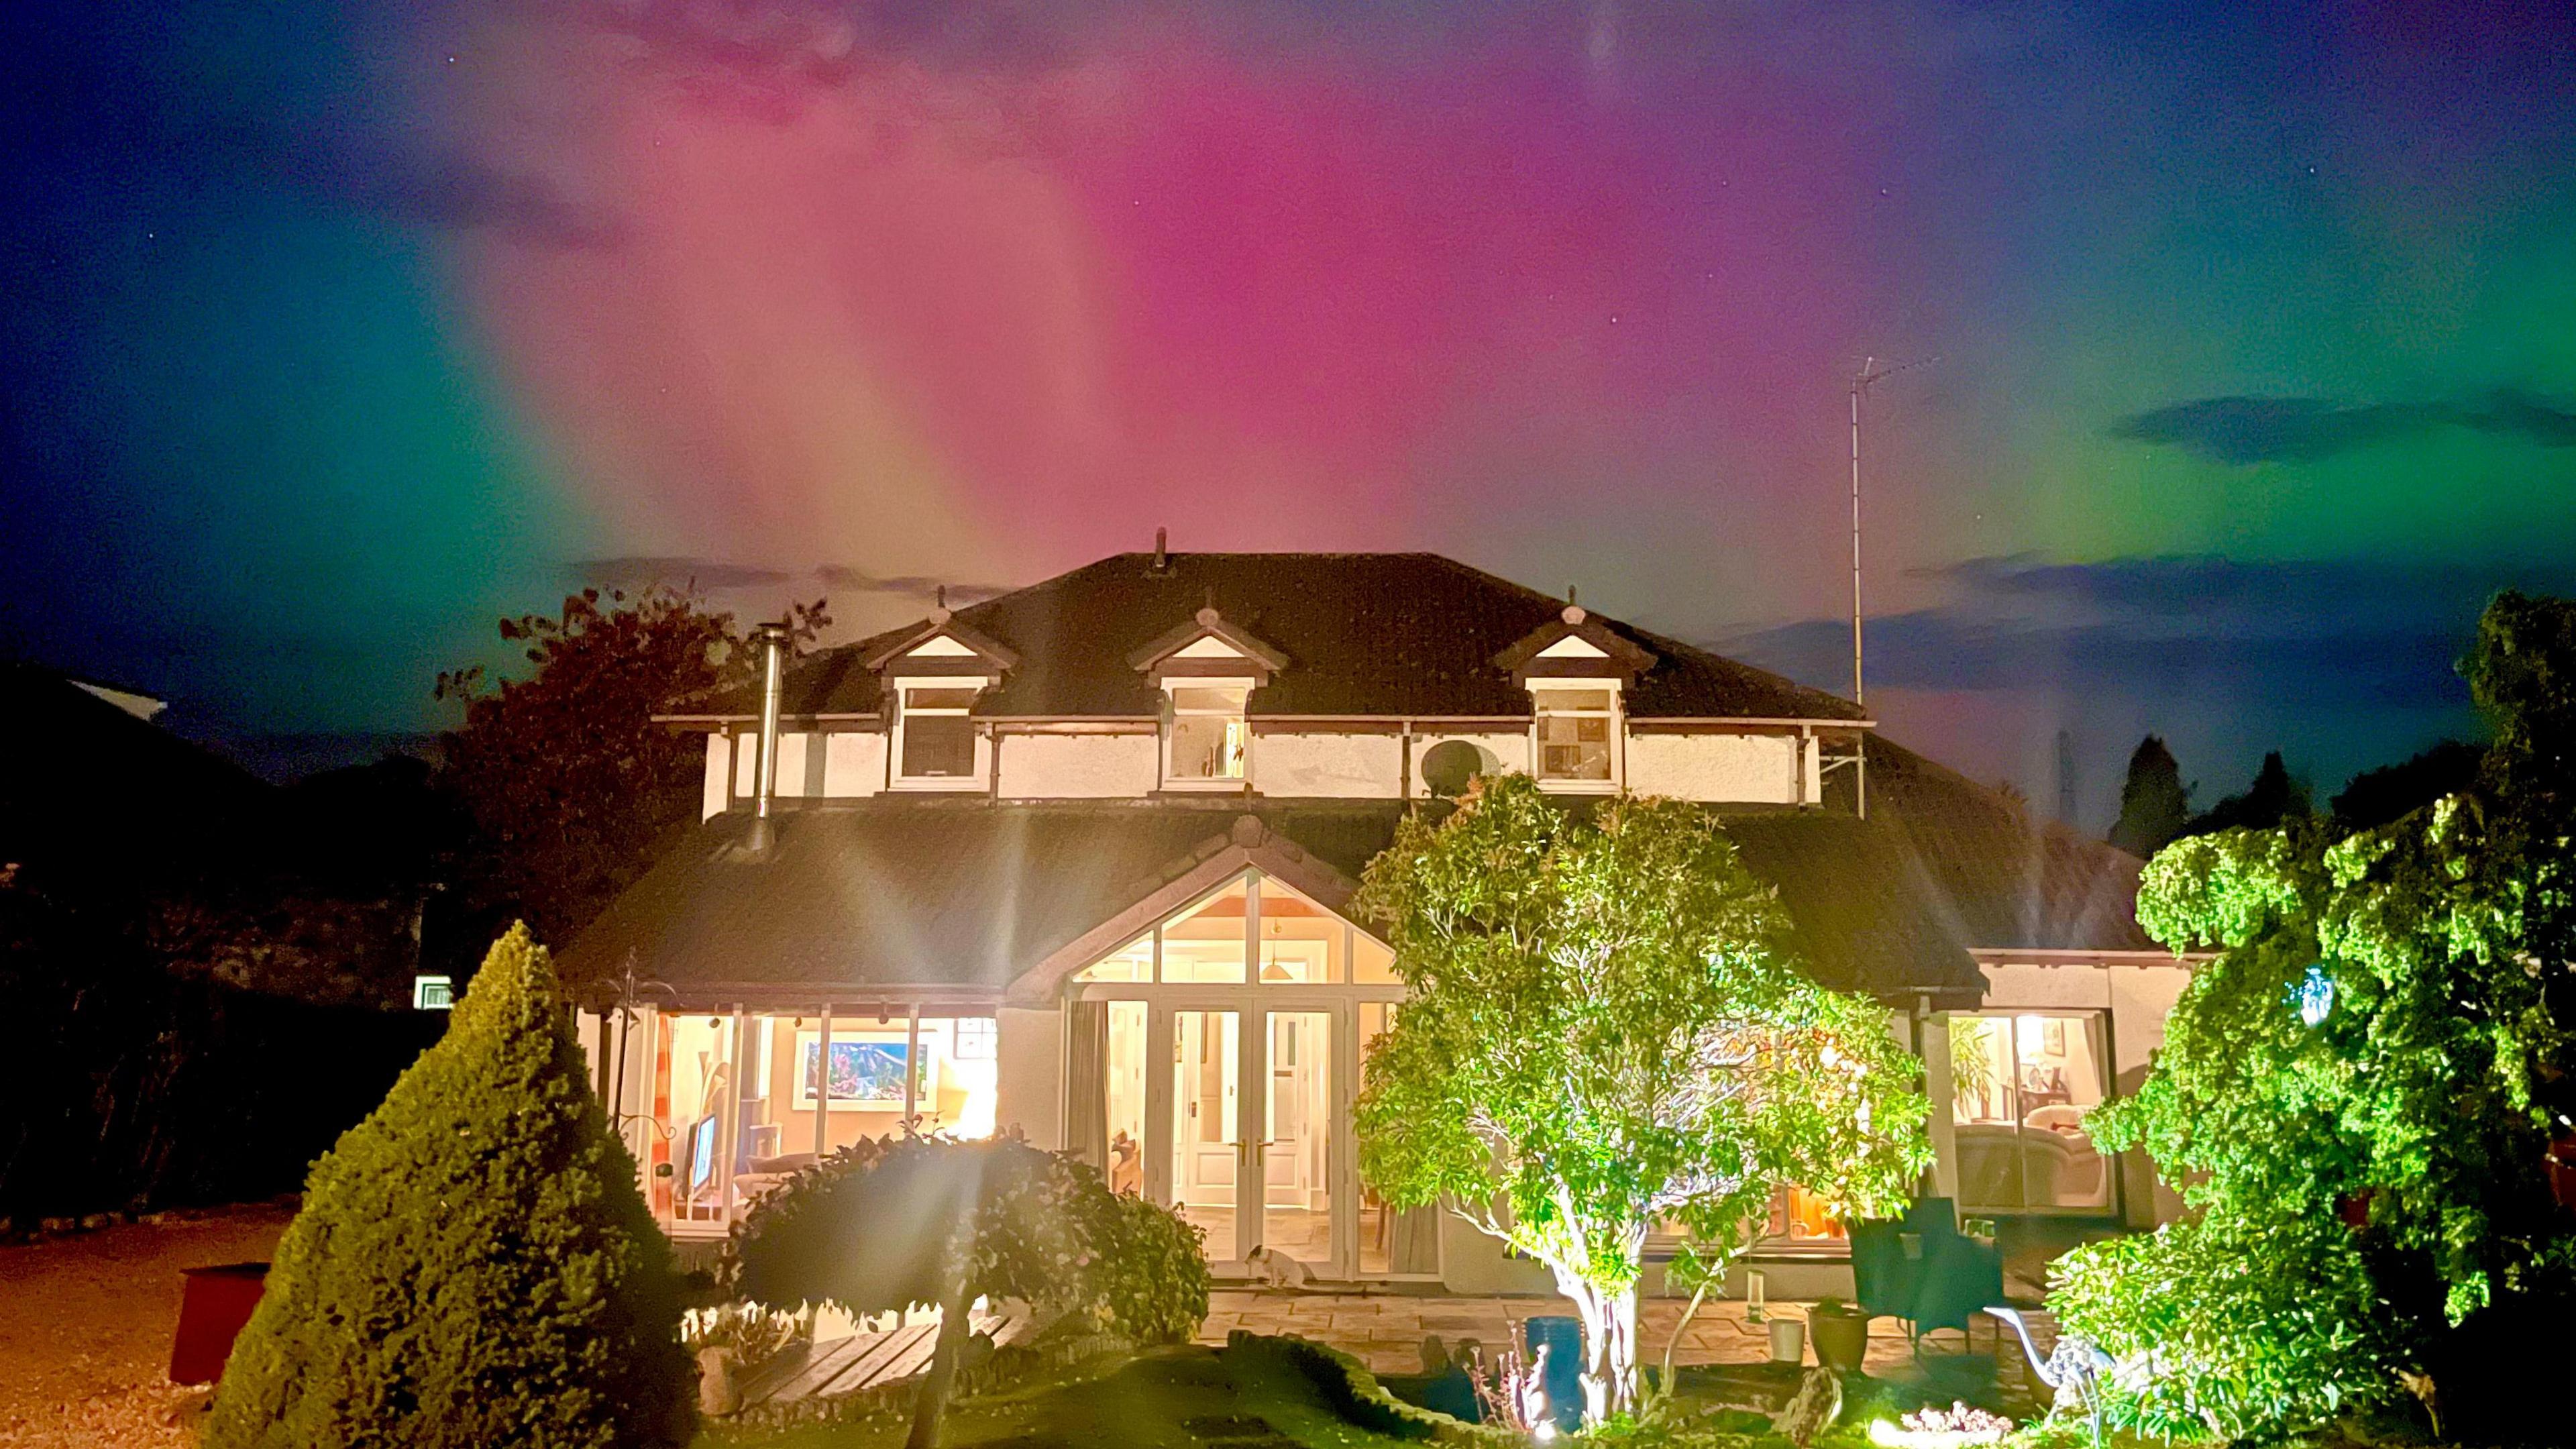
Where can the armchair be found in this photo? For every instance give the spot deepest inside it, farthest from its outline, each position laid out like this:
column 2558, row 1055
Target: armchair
column 1919, row 1268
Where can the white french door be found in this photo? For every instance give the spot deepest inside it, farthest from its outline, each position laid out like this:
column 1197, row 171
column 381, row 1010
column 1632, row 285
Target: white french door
column 1244, row 1118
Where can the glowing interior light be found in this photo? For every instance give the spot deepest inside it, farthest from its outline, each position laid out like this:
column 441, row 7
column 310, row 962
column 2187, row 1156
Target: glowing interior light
column 2315, row 996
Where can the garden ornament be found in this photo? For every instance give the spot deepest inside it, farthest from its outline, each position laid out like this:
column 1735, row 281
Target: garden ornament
column 2074, row 1368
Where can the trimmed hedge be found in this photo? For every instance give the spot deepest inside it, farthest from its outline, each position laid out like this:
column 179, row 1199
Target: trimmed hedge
column 868, row 1227
column 1352, row 1392
column 474, row 1265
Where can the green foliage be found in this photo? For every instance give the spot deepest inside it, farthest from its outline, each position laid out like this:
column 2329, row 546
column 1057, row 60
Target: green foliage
column 474, row 1264
column 569, row 783
column 2357, row 1187
column 1608, row 1029
column 1044, row 1228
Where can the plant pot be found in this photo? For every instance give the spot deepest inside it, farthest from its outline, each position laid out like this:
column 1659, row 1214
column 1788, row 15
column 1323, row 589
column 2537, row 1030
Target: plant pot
column 1842, row 1339
column 1788, row 1340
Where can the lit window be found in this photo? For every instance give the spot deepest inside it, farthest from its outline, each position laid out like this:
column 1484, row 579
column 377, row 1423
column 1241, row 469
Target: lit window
column 2020, row 1085
column 978, row 1038
column 1574, row 731
column 1208, row 736
column 938, row 740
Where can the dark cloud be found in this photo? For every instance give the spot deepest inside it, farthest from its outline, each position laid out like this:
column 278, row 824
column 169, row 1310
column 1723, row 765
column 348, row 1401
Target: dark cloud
column 906, row 586
column 2245, row 430
column 2390, row 666
column 2328, row 633
column 679, row 572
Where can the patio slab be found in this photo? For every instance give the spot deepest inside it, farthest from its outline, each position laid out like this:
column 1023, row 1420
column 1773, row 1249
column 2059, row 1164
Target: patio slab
column 1386, row 1330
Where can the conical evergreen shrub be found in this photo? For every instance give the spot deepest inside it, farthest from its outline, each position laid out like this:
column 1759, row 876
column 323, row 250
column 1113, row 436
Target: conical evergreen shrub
column 474, row 1265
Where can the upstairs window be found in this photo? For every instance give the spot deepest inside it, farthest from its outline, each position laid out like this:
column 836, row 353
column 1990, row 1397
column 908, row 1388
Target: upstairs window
column 1208, row 741
column 936, row 739
column 1575, row 728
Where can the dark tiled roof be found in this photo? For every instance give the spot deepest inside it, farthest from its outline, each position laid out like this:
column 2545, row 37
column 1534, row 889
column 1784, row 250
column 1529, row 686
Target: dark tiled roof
column 921, row 892
column 1364, row 634
column 971, row 894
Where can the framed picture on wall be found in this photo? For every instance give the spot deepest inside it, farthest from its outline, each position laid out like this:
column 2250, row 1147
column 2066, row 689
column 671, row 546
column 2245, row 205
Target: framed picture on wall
column 867, row 1076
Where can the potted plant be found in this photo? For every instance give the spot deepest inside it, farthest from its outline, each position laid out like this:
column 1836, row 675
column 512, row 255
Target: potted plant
column 1841, row 1333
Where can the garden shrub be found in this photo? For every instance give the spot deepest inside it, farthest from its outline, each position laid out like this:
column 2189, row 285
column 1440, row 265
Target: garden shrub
column 868, row 1229
column 2359, row 1096
column 474, row 1265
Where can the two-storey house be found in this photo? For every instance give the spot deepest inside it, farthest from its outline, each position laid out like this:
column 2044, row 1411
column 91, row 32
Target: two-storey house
column 1078, row 861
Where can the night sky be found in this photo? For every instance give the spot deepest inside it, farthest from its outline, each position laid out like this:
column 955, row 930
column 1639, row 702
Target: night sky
column 333, row 331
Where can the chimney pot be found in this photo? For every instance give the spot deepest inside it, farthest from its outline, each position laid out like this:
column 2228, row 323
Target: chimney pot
column 1162, row 550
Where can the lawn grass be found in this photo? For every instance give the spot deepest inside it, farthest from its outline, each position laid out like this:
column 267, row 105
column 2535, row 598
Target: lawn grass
column 1176, row 1398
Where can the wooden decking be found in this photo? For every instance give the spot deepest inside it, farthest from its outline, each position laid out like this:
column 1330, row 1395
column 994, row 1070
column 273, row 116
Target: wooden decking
column 864, row 1361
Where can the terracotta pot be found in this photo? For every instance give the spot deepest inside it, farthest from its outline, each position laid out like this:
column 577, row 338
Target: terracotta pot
column 2562, row 1169
column 1842, row 1339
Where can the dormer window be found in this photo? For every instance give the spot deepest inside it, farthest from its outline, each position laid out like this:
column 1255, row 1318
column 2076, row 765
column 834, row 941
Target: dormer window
column 1577, row 725
column 1208, row 741
column 934, row 738
column 1576, row 669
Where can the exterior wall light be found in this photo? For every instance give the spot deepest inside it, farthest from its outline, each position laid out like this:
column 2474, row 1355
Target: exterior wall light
column 2314, row 996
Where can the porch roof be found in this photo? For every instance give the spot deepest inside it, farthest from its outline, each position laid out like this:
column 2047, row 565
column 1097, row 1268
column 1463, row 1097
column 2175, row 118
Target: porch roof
column 972, row 895
column 906, row 893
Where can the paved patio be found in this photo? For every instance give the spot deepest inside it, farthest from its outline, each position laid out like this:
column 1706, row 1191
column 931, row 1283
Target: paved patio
column 1386, row 1329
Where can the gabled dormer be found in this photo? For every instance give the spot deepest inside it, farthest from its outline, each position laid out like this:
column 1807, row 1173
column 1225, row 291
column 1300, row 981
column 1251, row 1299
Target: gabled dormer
column 931, row 678
column 1577, row 672
column 1207, row 670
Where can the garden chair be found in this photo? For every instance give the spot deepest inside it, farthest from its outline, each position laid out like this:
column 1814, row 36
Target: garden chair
column 1921, row 1270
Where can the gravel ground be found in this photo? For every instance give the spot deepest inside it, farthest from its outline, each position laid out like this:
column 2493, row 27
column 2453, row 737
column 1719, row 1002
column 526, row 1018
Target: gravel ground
column 86, row 1323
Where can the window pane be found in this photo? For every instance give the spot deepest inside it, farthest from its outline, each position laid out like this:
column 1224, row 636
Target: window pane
column 2060, row 1077
column 1131, row 962
column 938, row 745
column 1207, row 747
column 958, row 1078
column 1574, row 747
column 939, row 698
column 1552, row 700
column 1222, row 701
column 1392, row 1241
column 694, row 1080
column 1371, row 963
column 1206, row 943
column 1300, row 940
column 1125, row 1086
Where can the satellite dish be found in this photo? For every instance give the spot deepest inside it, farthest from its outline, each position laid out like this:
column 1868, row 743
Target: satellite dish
column 1450, row 766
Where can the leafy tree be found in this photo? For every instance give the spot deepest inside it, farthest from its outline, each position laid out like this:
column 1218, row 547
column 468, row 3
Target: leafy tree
column 570, row 785
column 2359, row 1094
column 947, row 1222
column 2273, row 799
column 1608, row 1030
column 474, row 1264
column 2155, row 804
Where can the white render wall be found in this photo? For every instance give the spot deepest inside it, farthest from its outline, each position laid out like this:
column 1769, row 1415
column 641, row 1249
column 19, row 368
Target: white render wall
column 1345, row 765
column 1028, row 1088
column 1093, row 764
column 1078, row 766
column 1500, row 752
column 853, row 762
column 1737, row 768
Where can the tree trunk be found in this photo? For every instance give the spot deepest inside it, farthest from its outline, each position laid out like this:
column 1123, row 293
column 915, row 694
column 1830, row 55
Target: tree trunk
column 1609, row 1345
column 933, row 1397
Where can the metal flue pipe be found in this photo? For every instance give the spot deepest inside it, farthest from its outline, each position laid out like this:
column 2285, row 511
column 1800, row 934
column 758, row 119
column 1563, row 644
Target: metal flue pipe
column 773, row 694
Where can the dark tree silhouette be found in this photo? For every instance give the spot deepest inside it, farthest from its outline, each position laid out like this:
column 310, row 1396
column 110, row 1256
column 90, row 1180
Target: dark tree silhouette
column 2392, row 792
column 2155, row 804
column 570, row 786
column 2272, row 800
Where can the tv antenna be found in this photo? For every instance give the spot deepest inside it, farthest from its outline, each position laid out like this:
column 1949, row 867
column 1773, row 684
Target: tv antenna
column 1870, row 372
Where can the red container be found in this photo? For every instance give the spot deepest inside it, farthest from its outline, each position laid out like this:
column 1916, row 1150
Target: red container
column 218, row 1303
